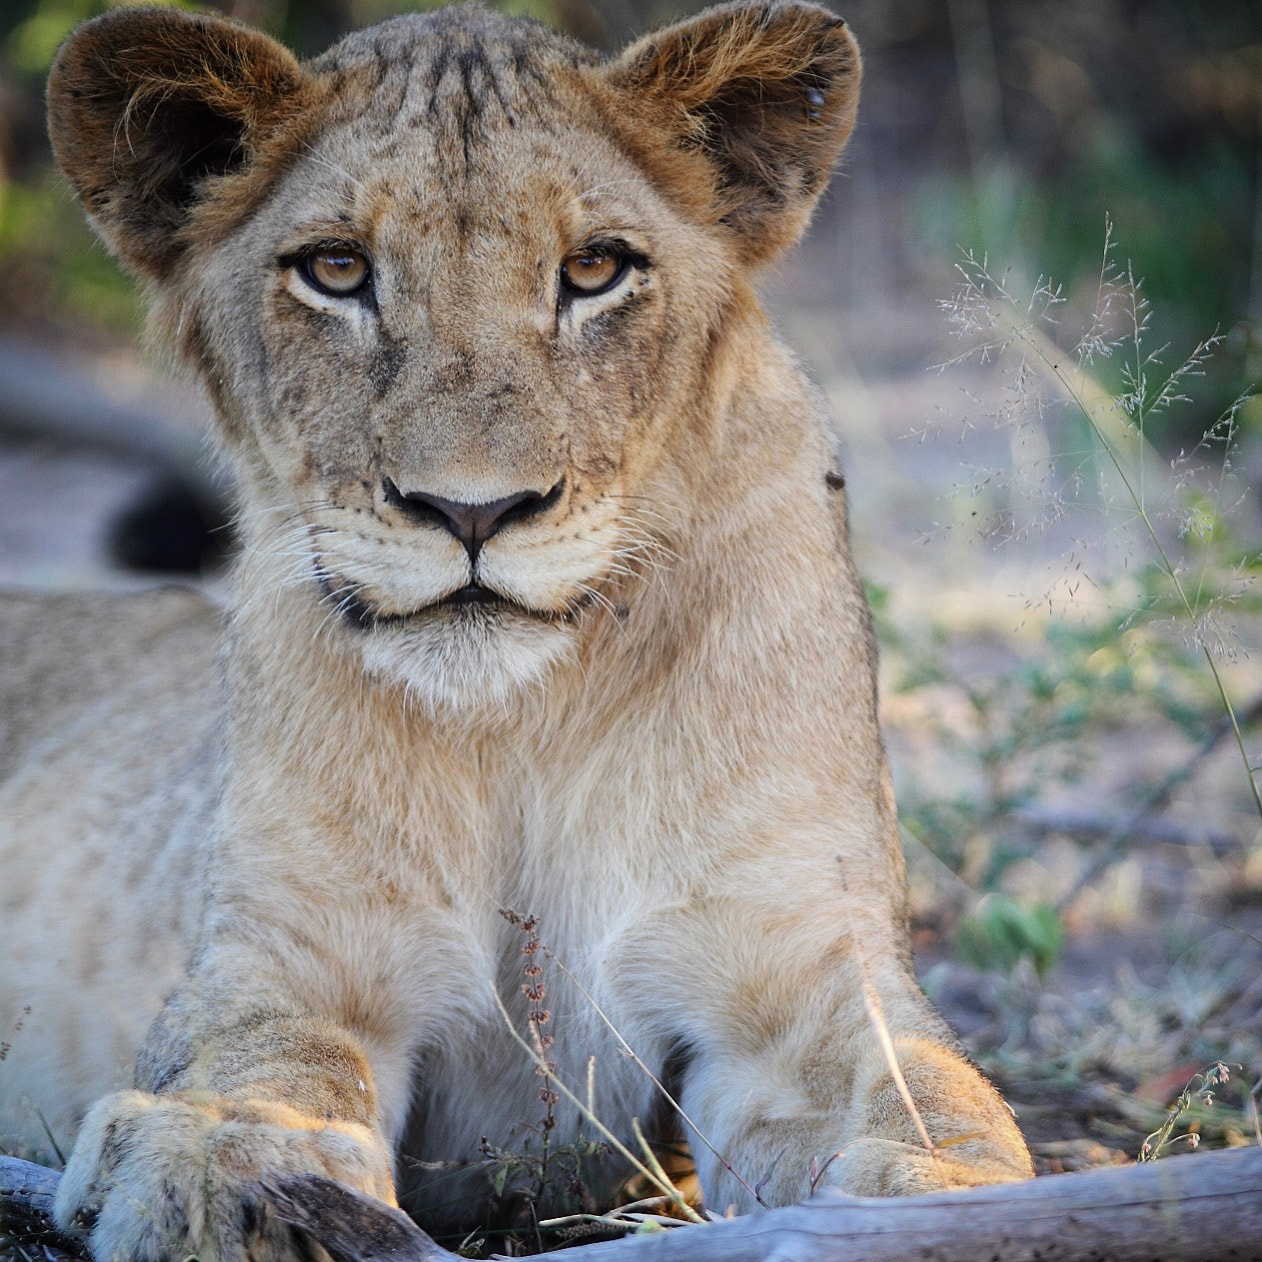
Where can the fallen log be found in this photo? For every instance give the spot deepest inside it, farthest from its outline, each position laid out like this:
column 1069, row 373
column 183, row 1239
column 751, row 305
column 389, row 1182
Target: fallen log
column 26, row 1211
column 1203, row 1207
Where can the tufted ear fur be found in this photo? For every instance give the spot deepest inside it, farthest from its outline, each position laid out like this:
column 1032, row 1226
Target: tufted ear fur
column 766, row 92
column 145, row 105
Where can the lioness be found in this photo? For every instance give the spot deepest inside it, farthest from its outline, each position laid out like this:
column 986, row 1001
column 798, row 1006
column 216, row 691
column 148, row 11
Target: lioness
column 544, row 601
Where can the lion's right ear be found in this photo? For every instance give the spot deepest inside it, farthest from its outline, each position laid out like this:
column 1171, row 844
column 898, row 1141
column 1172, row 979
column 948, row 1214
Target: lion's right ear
column 146, row 105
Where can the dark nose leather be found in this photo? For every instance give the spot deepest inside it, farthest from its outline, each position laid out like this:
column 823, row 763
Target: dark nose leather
column 472, row 524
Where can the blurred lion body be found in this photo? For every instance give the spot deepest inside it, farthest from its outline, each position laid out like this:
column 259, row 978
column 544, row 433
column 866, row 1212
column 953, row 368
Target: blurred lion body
column 640, row 705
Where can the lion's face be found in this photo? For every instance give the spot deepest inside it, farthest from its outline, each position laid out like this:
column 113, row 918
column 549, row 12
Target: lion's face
column 463, row 372
column 458, row 312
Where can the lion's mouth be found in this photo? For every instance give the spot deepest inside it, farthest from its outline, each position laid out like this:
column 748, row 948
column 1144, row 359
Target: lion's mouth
column 473, row 594
column 472, row 599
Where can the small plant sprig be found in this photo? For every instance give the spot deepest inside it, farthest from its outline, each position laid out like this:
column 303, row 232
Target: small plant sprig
column 535, row 988
column 537, row 1047
column 554, row 1172
column 1200, row 1087
column 649, row 1168
column 996, row 323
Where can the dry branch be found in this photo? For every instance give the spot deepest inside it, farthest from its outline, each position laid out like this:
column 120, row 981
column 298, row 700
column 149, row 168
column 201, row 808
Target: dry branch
column 26, row 1205
column 1203, row 1207
column 1091, row 825
column 351, row 1227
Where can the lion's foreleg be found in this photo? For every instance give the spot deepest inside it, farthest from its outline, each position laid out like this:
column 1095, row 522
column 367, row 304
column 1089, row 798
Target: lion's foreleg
column 241, row 1077
column 793, row 1084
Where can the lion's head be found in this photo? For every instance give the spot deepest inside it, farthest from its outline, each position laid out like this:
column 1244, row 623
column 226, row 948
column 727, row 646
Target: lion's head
column 458, row 289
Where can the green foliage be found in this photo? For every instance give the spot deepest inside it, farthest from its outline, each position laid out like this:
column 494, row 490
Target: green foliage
column 1027, row 732
column 34, row 40
column 52, row 257
column 1001, row 933
column 1134, row 634
column 532, row 1172
column 1145, row 503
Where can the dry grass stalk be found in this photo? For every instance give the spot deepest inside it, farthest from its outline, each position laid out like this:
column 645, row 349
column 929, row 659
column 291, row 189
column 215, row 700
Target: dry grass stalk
column 662, row 1183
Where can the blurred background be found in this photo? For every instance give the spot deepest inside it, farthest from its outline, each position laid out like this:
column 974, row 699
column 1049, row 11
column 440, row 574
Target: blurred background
column 1078, row 812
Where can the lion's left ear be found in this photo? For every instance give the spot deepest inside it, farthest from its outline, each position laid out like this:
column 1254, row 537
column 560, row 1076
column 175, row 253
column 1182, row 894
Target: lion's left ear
column 766, row 92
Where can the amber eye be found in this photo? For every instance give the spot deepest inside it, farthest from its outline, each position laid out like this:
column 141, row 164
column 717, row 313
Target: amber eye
column 592, row 271
column 337, row 270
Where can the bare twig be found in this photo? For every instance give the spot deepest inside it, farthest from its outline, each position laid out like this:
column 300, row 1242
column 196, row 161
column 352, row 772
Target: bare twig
column 1091, row 825
column 876, row 1017
column 1159, row 799
column 625, row 1217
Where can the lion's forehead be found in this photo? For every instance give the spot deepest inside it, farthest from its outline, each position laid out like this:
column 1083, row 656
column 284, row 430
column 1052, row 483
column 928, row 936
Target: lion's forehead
column 460, row 75
column 463, row 136
column 530, row 191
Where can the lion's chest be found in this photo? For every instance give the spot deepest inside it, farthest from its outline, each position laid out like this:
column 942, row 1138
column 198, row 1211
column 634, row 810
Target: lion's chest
column 578, row 864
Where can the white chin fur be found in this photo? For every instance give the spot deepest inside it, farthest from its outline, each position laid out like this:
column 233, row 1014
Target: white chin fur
column 467, row 663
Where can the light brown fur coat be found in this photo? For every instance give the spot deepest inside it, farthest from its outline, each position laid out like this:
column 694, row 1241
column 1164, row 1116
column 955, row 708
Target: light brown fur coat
column 661, row 739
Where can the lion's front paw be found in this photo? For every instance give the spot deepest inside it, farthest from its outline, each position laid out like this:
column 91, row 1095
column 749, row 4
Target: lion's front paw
column 162, row 1177
column 885, row 1167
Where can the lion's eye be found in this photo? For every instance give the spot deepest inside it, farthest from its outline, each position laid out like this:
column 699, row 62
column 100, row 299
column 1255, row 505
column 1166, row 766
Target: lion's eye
column 592, row 271
column 337, row 270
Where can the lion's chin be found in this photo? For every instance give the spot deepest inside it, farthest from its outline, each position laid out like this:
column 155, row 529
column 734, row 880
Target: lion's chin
column 469, row 659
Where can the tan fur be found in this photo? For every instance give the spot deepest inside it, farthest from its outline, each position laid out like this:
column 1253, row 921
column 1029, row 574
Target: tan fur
column 666, row 748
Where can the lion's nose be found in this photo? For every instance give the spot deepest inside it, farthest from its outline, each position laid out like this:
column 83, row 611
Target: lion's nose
column 472, row 524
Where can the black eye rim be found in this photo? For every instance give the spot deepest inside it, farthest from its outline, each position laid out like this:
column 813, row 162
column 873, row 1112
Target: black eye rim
column 302, row 260
column 627, row 258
